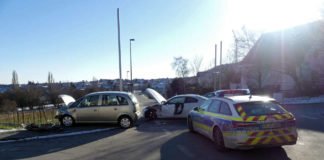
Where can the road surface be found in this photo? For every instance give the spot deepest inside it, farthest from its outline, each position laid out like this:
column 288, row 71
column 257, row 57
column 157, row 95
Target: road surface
column 170, row 139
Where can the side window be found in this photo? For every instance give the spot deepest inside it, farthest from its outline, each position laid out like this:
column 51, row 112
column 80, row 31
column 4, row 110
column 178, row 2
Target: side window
column 122, row 100
column 113, row 100
column 191, row 100
column 205, row 105
column 224, row 109
column 214, row 106
column 89, row 101
column 176, row 100
column 109, row 100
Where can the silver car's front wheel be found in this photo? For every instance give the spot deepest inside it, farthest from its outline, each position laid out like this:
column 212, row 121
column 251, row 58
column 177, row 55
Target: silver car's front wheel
column 125, row 122
column 67, row 121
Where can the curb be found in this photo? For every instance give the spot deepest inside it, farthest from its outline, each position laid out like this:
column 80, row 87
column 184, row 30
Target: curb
column 57, row 135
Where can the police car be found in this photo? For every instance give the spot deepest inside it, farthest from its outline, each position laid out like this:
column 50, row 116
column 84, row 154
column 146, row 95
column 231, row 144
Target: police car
column 243, row 122
column 177, row 106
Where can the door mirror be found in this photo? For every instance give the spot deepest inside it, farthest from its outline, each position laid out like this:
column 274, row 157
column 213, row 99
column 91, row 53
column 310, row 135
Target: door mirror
column 196, row 109
column 163, row 103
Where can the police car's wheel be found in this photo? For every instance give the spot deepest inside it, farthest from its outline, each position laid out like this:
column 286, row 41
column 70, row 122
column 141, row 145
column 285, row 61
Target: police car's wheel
column 190, row 126
column 218, row 139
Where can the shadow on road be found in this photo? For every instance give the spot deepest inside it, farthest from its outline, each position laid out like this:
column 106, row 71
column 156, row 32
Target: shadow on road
column 20, row 150
column 76, row 128
column 308, row 116
column 159, row 125
column 194, row 146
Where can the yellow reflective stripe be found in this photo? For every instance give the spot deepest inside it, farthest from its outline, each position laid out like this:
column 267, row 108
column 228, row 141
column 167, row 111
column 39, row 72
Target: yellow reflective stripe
column 202, row 126
column 222, row 116
column 277, row 116
column 262, row 118
column 250, row 118
column 256, row 140
column 285, row 135
column 260, row 134
column 243, row 114
column 267, row 140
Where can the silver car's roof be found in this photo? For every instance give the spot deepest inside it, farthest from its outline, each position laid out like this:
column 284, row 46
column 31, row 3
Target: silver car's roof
column 110, row 92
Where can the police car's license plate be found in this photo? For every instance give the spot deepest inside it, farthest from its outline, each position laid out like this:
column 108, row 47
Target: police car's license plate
column 271, row 125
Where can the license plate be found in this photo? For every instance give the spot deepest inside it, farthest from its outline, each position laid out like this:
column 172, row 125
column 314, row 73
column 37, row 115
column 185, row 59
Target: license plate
column 271, row 125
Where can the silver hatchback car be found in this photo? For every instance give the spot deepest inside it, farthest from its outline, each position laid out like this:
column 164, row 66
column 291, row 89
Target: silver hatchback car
column 100, row 107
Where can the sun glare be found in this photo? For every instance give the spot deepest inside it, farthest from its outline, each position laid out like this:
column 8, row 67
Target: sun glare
column 275, row 14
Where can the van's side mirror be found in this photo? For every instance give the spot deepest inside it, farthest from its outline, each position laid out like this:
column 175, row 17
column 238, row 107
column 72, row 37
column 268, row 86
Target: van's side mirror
column 163, row 102
column 196, row 109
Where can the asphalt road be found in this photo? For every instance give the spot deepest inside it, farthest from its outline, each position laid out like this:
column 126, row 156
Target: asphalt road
column 170, row 139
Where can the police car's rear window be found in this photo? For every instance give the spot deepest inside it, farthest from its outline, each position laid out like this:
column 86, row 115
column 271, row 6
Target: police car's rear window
column 261, row 108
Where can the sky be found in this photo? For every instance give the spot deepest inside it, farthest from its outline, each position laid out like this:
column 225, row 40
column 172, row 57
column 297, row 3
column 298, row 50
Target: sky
column 76, row 40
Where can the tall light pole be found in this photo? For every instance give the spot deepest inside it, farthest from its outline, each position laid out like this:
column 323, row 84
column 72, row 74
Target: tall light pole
column 215, row 67
column 119, row 51
column 220, row 66
column 131, row 69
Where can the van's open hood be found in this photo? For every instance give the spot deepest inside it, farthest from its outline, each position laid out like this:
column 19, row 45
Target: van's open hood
column 66, row 99
column 156, row 95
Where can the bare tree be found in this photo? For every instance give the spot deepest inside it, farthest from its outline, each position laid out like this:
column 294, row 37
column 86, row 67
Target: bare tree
column 243, row 41
column 196, row 64
column 180, row 65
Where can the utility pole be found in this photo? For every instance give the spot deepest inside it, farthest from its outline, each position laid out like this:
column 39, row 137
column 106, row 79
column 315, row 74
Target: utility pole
column 215, row 76
column 215, row 55
column 119, row 51
column 220, row 65
column 131, row 69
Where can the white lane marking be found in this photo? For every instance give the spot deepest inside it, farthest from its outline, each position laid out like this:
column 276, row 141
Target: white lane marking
column 300, row 143
column 166, row 132
column 308, row 117
column 185, row 151
column 57, row 135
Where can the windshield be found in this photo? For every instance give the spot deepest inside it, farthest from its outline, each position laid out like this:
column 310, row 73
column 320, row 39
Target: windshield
column 261, row 108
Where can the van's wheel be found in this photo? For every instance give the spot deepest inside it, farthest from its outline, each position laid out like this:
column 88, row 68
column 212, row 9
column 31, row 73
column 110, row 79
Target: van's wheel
column 67, row 121
column 150, row 114
column 190, row 126
column 219, row 139
column 125, row 122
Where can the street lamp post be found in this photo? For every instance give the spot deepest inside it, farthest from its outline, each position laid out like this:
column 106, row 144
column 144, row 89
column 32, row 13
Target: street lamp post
column 131, row 70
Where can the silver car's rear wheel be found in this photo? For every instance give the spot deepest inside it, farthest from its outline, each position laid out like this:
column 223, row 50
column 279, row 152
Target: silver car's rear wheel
column 67, row 121
column 125, row 122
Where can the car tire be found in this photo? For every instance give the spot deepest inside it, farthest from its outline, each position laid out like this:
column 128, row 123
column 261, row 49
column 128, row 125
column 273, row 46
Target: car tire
column 150, row 114
column 125, row 122
column 219, row 139
column 190, row 125
column 67, row 121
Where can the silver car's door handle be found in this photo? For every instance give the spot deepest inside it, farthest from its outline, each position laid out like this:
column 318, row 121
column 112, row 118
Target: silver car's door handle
column 95, row 110
column 115, row 109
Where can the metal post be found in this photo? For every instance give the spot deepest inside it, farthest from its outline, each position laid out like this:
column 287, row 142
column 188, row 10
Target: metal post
column 215, row 55
column 220, row 64
column 131, row 69
column 215, row 75
column 119, row 51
